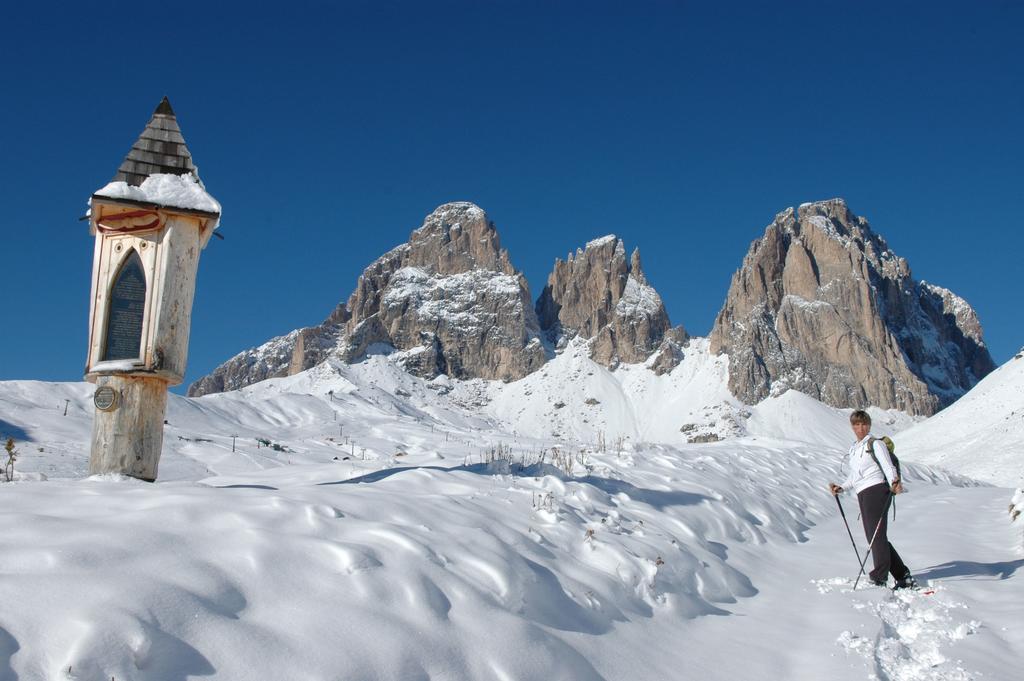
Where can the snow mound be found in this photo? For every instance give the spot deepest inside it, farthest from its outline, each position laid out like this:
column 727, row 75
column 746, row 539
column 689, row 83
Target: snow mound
column 981, row 434
column 798, row 417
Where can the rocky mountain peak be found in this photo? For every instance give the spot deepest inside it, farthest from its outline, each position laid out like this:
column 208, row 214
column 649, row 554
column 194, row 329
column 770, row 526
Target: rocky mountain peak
column 822, row 305
column 597, row 294
column 450, row 299
column 957, row 309
column 636, row 268
column 835, row 211
column 457, row 237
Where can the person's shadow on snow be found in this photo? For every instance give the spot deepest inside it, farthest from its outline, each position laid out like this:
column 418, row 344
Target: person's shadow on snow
column 966, row 569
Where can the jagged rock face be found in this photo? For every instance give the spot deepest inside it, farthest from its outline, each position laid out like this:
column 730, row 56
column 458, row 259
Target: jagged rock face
column 598, row 294
column 670, row 353
column 821, row 305
column 282, row 356
column 451, row 299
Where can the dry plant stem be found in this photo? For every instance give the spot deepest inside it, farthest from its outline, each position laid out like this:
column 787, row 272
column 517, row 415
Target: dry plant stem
column 12, row 456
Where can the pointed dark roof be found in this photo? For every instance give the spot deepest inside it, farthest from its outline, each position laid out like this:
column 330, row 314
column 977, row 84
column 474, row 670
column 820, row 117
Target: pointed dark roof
column 159, row 149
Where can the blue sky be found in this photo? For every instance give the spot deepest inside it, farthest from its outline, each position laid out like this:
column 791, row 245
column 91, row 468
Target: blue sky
column 329, row 130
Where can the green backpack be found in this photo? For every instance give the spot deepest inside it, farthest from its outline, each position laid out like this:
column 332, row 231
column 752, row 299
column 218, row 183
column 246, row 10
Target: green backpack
column 891, row 446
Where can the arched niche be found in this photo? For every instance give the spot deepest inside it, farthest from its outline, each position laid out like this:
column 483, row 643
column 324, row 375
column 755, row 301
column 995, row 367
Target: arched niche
column 125, row 307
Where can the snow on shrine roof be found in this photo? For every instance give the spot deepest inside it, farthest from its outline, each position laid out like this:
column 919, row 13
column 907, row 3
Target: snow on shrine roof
column 160, row 149
column 168, row 190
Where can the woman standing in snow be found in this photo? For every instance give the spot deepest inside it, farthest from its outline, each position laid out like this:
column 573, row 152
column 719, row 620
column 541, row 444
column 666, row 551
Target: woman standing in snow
column 875, row 480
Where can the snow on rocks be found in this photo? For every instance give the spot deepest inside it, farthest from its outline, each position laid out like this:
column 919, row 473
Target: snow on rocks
column 638, row 299
column 452, row 299
column 452, row 215
column 966, row 317
column 600, row 241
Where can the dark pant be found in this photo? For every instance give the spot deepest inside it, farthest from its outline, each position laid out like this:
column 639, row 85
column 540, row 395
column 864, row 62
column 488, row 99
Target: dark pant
column 874, row 504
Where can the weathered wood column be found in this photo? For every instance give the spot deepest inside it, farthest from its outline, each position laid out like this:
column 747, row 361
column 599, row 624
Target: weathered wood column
column 150, row 225
column 129, row 438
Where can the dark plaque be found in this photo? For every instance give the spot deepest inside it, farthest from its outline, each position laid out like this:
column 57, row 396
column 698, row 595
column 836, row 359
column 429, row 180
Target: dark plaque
column 127, row 303
column 105, row 398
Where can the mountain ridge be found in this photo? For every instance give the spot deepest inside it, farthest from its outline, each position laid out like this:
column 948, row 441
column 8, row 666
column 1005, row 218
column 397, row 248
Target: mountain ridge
column 410, row 297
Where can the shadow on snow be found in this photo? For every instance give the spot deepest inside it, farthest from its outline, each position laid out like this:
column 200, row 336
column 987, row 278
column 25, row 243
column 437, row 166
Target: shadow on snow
column 8, row 429
column 8, row 647
column 968, row 569
column 659, row 499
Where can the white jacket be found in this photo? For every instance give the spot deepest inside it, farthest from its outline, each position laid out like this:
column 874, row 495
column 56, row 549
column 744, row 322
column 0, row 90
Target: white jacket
column 863, row 471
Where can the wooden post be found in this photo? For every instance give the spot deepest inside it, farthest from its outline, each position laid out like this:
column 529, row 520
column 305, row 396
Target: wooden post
column 127, row 440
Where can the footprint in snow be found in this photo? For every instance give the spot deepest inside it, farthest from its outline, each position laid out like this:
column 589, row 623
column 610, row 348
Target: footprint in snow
column 915, row 628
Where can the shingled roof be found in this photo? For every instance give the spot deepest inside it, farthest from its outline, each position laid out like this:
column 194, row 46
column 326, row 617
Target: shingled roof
column 159, row 149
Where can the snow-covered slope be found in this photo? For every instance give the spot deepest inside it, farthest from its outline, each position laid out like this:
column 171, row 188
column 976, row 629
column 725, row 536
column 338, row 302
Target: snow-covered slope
column 397, row 528
column 410, row 572
column 574, row 398
column 372, row 409
column 795, row 416
column 981, row 434
column 437, row 544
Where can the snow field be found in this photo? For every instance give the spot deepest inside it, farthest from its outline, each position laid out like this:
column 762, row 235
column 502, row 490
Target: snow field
column 406, row 573
column 406, row 529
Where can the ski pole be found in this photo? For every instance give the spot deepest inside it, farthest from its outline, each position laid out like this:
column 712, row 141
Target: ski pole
column 843, row 513
column 872, row 542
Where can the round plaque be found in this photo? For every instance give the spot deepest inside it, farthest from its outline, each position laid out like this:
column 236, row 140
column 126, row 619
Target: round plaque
column 105, row 398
